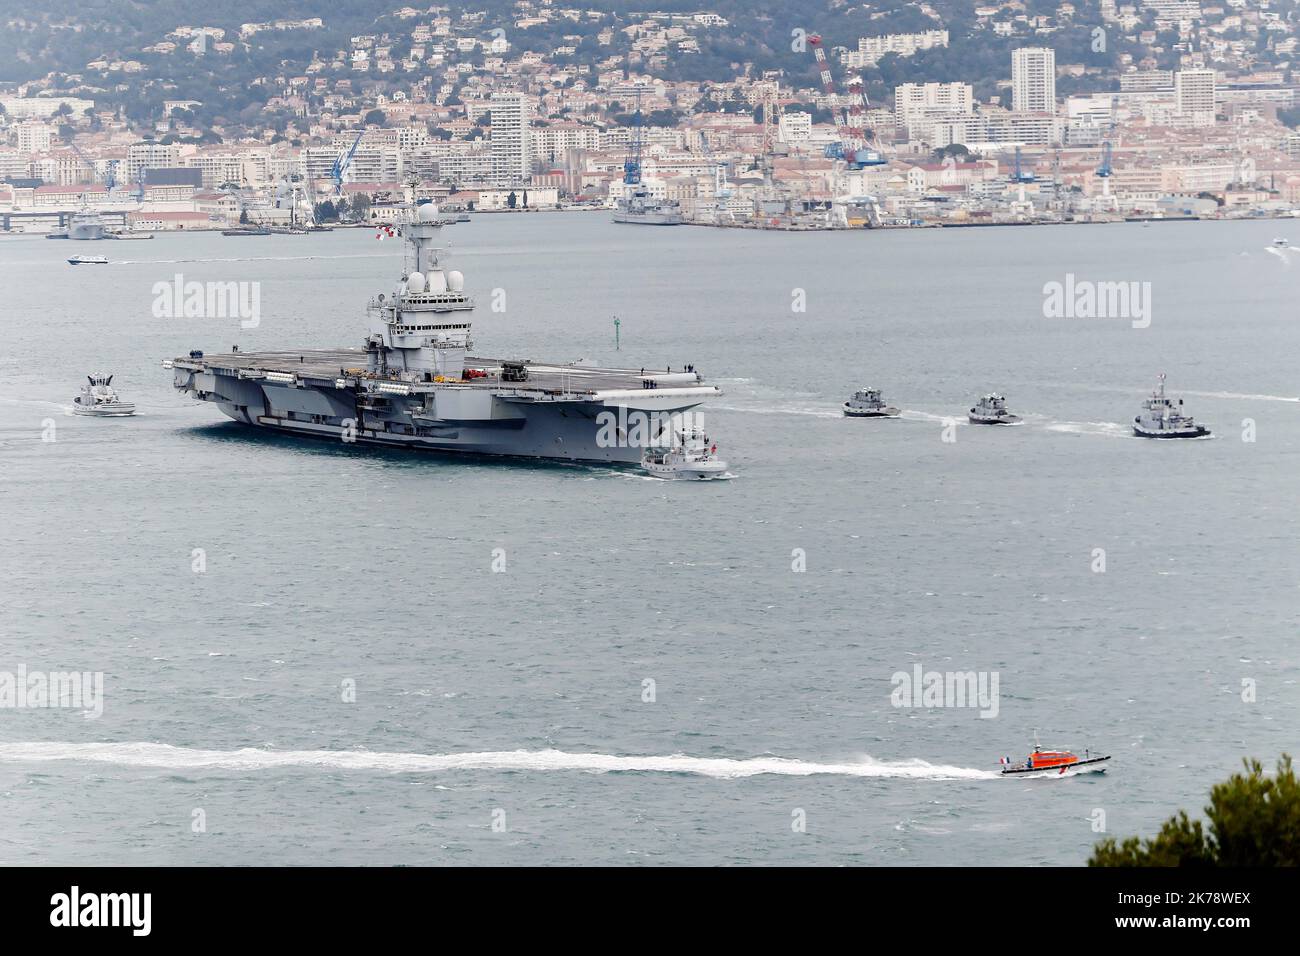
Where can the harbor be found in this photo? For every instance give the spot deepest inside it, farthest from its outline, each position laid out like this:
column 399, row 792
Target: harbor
column 611, row 576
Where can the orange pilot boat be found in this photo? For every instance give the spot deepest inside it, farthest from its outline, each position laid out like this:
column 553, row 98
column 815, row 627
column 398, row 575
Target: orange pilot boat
column 1054, row 763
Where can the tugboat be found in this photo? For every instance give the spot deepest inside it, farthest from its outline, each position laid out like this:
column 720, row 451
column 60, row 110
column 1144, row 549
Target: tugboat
column 867, row 403
column 97, row 398
column 1053, row 763
column 1160, row 418
column 690, row 457
column 87, row 261
column 992, row 410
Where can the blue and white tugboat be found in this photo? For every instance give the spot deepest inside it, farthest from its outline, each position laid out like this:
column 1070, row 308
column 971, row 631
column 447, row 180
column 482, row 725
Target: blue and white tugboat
column 1161, row 418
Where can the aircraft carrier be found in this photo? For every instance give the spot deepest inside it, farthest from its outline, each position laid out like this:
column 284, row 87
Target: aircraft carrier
column 413, row 383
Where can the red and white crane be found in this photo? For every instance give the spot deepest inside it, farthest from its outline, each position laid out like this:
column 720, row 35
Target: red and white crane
column 851, row 146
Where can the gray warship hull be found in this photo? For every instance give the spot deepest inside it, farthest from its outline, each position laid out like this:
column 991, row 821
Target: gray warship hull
column 86, row 225
column 414, row 384
column 649, row 217
column 563, row 412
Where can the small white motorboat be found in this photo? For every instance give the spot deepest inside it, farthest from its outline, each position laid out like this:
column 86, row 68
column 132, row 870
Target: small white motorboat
column 98, row 398
column 867, row 403
column 991, row 409
column 690, row 456
column 88, row 260
column 1281, row 241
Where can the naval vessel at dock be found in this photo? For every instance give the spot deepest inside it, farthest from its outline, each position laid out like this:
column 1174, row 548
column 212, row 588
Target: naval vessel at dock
column 413, row 383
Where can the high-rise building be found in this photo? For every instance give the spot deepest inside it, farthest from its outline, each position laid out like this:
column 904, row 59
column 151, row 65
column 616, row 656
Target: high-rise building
column 1033, row 80
column 150, row 156
column 1194, row 91
column 511, row 154
column 917, row 103
column 794, row 127
column 34, row 137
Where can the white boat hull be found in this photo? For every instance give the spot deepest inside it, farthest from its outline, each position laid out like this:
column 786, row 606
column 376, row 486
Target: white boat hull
column 1090, row 765
column 104, row 409
column 697, row 471
column 886, row 411
column 649, row 218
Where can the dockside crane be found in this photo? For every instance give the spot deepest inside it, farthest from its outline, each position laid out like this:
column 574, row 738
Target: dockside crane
column 1020, row 176
column 850, row 147
column 722, row 191
column 1105, row 170
column 343, row 163
column 632, row 165
column 85, row 161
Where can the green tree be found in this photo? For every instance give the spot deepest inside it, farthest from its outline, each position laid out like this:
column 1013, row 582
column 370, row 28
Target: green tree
column 1254, row 821
column 957, row 151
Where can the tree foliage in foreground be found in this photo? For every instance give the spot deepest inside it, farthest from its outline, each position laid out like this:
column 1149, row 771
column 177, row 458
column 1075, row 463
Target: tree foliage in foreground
column 1254, row 820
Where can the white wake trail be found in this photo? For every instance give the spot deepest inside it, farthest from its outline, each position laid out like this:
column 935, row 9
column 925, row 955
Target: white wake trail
column 1244, row 396
column 779, row 410
column 167, row 757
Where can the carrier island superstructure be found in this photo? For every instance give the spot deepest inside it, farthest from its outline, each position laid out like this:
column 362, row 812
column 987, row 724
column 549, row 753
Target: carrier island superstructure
column 414, row 384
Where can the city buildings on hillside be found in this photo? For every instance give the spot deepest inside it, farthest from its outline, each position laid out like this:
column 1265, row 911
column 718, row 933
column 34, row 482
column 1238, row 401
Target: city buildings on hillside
column 467, row 117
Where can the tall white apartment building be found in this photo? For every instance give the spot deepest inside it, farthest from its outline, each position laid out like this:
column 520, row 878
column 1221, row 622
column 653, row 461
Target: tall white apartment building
column 411, row 137
column 794, row 127
column 511, row 150
column 1033, row 80
column 915, row 104
column 1194, row 93
column 150, row 156
column 34, row 137
column 554, row 140
column 217, row 167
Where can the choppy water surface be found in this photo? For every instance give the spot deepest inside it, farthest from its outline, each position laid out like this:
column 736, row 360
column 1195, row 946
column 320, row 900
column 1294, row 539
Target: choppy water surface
column 519, row 696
